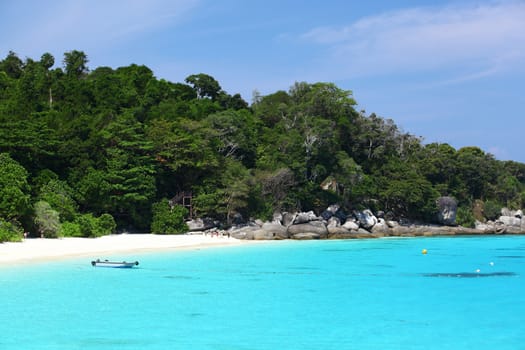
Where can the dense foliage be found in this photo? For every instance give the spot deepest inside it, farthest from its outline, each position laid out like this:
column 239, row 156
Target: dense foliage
column 77, row 146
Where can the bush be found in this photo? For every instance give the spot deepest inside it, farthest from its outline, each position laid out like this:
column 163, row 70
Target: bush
column 167, row 219
column 106, row 224
column 70, row 229
column 491, row 210
column 465, row 217
column 10, row 232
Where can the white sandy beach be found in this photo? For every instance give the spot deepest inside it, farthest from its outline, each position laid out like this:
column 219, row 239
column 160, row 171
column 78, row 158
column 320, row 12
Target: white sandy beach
column 37, row 249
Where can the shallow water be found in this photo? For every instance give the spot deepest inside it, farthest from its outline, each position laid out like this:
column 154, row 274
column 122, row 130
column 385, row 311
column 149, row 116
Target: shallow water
column 465, row 293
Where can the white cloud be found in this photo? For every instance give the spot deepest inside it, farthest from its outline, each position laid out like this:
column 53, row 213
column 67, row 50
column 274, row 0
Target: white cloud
column 481, row 39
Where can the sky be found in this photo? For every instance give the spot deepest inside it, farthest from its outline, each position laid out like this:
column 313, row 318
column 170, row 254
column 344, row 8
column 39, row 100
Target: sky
column 447, row 71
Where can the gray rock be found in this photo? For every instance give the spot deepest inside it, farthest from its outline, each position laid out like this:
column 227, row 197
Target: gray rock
column 381, row 227
column 447, row 210
column 201, row 224
column 339, row 231
column 315, row 227
column 302, row 218
column 366, row 219
column 288, row 219
column 506, row 212
column 243, row 234
column 333, row 222
column 351, row 225
column 276, row 231
column 261, row 234
column 277, row 218
column 510, row 221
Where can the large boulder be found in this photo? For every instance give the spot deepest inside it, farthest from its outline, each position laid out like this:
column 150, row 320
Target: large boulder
column 381, row 227
column 333, row 222
column 351, row 225
column 303, row 218
column 366, row 219
column 199, row 224
column 510, row 221
column 247, row 232
column 288, row 219
column 275, row 231
column 330, row 211
column 316, row 228
column 512, row 224
column 447, row 210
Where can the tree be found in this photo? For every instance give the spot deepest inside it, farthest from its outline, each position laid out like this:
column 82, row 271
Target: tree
column 75, row 63
column 14, row 189
column 168, row 219
column 12, row 65
column 47, row 61
column 59, row 196
column 476, row 171
column 46, row 220
column 204, row 85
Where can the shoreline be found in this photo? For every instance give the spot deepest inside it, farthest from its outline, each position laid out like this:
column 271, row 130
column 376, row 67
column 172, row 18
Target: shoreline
column 34, row 250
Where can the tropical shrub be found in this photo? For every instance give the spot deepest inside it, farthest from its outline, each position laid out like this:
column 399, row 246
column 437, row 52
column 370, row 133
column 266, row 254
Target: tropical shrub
column 167, row 219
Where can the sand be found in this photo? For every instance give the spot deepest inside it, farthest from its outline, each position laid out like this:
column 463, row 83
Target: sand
column 38, row 249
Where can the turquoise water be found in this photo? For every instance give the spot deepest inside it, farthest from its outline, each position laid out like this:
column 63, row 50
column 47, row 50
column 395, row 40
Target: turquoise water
column 354, row 294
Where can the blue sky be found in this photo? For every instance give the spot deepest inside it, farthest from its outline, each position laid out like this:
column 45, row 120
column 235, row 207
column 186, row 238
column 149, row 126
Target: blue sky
column 448, row 71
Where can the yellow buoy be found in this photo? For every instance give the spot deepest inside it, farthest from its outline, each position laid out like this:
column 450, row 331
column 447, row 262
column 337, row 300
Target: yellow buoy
column 424, row 251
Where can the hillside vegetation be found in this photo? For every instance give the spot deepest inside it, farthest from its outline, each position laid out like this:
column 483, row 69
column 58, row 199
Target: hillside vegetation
column 87, row 152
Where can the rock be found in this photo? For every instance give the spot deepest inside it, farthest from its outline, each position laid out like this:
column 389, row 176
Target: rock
column 338, row 232
column 261, row 234
column 518, row 214
column 330, row 211
column 333, row 222
column 381, row 227
column 506, row 212
column 486, row 227
column 510, row 221
column 277, row 218
column 500, row 227
column 288, row 219
column 447, row 209
column 314, row 227
column 366, row 219
column 302, row 218
column 391, row 223
column 351, row 225
column 275, row 231
column 341, row 215
column 362, row 231
column 327, row 214
column 246, row 233
column 201, row 224
column 238, row 219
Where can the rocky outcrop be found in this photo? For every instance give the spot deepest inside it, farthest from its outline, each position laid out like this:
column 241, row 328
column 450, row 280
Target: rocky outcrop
column 334, row 224
column 510, row 222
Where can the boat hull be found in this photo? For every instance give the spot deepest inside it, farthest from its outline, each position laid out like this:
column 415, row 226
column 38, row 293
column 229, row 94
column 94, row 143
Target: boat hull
column 114, row 264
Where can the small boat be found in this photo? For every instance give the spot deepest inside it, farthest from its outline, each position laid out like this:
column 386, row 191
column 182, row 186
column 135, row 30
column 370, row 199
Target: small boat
column 119, row 264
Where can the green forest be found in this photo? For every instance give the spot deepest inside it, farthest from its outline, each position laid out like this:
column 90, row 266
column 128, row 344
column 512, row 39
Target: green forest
column 86, row 152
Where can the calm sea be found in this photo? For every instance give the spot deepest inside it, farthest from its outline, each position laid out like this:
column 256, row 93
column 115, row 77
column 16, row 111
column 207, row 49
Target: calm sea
column 465, row 293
